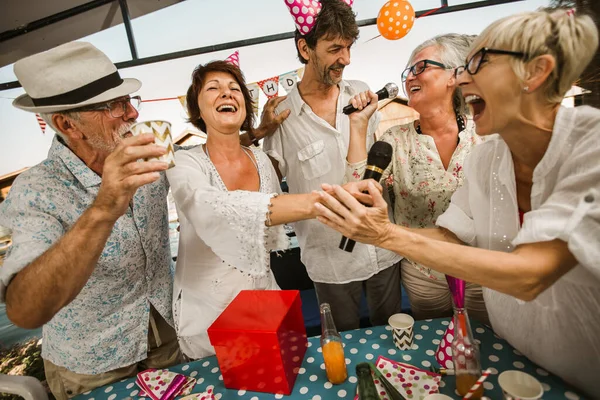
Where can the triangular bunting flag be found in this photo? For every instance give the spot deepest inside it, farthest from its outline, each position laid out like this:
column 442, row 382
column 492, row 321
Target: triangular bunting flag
column 254, row 90
column 234, row 59
column 183, row 101
column 288, row 81
column 41, row 122
column 300, row 72
column 270, row 86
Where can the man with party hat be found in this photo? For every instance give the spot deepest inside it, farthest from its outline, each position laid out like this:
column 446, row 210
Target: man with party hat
column 310, row 148
column 90, row 260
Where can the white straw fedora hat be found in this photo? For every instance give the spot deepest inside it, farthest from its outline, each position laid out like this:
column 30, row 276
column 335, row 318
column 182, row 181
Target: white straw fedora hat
column 69, row 76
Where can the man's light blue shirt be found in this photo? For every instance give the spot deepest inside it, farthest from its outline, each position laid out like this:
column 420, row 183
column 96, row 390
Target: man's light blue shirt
column 106, row 326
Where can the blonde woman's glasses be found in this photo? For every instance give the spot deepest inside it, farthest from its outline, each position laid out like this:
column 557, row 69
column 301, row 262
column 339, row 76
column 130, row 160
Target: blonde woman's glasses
column 474, row 63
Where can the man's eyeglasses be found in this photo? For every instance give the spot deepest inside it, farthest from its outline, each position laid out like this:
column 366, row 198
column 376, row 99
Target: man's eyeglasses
column 474, row 63
column 419, row 67
column 116, row 108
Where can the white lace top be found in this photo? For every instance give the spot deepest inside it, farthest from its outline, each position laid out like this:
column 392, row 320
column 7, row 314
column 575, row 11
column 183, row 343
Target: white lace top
column 224, row 243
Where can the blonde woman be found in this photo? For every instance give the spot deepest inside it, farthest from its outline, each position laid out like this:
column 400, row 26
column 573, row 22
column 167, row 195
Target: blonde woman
column 541, row 276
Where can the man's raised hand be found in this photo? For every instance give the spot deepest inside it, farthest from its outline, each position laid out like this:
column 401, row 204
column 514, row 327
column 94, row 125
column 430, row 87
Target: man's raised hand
column 125, row 171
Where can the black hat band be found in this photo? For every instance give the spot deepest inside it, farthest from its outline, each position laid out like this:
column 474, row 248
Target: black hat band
column 83, row 93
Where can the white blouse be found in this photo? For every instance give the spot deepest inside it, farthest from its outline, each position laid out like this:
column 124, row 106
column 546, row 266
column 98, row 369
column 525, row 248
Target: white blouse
column 224, row 243
column 560, row 329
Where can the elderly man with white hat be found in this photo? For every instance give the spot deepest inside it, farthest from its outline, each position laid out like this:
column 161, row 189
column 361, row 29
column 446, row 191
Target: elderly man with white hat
column 90, row 259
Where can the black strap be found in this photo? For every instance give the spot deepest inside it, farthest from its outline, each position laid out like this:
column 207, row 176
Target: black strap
column 83, row 93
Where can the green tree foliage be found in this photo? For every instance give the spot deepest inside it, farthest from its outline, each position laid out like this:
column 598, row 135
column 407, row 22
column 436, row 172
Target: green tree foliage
column 22, row 359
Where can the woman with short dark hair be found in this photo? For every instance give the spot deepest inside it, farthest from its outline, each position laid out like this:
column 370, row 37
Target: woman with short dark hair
column 227, row 201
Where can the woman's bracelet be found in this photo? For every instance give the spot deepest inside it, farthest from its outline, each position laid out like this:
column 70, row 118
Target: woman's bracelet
column 269, row 211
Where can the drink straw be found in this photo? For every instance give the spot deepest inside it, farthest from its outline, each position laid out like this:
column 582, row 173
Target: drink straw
column 441, row 371
column 477, row 384
column 462, row 322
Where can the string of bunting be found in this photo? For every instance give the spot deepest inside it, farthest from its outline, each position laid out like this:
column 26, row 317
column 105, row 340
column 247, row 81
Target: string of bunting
column 269, row 86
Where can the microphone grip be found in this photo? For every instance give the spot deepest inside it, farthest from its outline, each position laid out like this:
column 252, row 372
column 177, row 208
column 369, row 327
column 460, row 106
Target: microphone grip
column 381, row 94
column 372, row 172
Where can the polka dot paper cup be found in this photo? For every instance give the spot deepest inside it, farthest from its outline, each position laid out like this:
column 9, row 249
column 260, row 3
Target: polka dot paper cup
column 517, row 385
column 402, row 325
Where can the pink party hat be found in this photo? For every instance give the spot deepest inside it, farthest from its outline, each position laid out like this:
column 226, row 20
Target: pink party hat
column 234, row 59
column 305, row 13
column 443, row 354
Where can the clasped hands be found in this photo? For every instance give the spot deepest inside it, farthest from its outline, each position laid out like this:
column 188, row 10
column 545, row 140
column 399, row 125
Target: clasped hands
column 356, row 209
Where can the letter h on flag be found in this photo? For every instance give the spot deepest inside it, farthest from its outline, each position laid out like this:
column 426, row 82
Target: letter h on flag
column 270, row 86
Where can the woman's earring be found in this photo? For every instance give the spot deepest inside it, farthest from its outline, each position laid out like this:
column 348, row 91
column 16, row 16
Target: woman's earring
column 526, row 89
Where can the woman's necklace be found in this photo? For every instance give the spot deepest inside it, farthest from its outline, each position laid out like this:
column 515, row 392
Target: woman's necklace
column 459, row 121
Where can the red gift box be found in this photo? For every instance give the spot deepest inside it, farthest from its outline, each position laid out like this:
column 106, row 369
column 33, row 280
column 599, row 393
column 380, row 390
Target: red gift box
column 260, row 340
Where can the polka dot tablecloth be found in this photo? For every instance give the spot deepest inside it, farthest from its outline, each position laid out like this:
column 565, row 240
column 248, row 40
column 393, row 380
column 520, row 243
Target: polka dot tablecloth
column 364, row 345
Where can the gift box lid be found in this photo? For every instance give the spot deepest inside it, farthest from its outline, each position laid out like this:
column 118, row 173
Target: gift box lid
column 256, row 310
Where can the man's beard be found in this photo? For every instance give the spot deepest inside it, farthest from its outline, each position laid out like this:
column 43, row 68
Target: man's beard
column 98, row 143
column 326, row 76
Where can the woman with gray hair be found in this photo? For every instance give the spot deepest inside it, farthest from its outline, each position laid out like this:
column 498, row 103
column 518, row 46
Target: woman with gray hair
column 526, row 223
column 427, row 165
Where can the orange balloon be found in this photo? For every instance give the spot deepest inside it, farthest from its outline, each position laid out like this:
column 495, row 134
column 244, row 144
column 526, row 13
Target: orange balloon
column 395, row 19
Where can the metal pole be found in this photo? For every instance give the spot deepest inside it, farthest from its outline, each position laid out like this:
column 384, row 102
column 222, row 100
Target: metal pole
column 128, row 29
column 40, row 23
column 268, row 39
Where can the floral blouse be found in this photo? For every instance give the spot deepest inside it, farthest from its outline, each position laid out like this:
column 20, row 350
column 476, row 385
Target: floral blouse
column 420, row 187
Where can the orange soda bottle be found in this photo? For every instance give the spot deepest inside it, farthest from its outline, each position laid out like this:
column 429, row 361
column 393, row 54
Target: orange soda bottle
column 332, row 348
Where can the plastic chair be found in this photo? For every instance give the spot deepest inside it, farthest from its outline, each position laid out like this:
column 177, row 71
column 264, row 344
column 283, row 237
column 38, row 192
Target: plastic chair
column 27, row 387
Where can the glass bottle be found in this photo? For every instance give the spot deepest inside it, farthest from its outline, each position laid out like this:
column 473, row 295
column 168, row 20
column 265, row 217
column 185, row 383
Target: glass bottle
column 465, row 355
column 332, row 348
column 366, row 387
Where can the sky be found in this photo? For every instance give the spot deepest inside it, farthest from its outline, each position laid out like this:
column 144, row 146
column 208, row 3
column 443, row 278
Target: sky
column 198, row 23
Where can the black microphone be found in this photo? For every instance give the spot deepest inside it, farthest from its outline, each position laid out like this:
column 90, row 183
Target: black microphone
column 389, row 91
column 378, row 160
